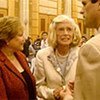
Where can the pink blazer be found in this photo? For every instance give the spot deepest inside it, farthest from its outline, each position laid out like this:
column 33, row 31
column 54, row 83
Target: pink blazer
column 12, row 83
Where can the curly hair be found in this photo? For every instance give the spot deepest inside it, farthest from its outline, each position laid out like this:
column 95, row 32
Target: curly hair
column 52, row 31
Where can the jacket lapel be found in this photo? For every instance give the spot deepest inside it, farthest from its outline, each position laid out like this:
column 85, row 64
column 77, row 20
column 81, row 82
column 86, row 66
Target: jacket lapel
column 10, row 66
column 53, row 60
column 22, row 59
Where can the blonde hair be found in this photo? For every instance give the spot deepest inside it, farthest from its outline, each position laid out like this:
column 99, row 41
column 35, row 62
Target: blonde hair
column 52, row 31
column 9, row 28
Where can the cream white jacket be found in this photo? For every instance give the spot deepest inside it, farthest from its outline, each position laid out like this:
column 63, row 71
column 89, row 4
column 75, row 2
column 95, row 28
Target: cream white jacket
column 87, row 83
column 48, row 75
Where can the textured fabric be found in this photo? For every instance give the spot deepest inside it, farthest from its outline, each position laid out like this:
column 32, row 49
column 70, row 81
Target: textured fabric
column 87, row 83
column 12, row 83
column 48, row 74
column 29, row 84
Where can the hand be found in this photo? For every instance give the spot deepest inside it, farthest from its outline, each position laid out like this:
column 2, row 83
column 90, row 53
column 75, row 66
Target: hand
column 71, row 86
column 56, row 93
column 62, row 94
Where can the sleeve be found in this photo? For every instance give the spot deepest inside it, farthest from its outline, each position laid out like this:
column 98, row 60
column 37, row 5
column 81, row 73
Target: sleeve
column 87, row 79
column 68, row 97
column 3, row 95
column 43, row 90
column 31, row 50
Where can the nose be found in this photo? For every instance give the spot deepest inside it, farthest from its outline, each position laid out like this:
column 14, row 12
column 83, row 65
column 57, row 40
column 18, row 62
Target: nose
column 66, row 31
column 82, row 11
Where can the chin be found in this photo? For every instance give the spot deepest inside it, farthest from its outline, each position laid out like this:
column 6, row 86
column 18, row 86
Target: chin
column 65, row 44
column 89, row 25
column 20, row 49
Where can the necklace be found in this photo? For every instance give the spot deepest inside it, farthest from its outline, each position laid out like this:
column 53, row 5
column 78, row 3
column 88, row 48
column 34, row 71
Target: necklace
column 62, row 61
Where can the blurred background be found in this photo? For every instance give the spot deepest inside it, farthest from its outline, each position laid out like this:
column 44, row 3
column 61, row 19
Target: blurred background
column 37, row 14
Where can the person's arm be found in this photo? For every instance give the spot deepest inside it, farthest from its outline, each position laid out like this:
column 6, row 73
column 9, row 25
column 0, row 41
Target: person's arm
column 42, row 88
column 87, row 74
column 3, row 95
column 31, row 51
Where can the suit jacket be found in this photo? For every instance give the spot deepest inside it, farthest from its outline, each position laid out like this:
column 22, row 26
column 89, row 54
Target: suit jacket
column 48, row 74
column 87, row 83
column 12, row 83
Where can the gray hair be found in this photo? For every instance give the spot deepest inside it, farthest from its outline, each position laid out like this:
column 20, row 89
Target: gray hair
column 52, row 30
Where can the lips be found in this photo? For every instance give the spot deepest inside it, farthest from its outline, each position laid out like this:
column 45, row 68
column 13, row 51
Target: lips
column 65, row 39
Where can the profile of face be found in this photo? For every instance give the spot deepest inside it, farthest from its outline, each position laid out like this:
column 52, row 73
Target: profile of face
column 11, row 33
column 17, row 43
column 90, row 12
column 64, row 31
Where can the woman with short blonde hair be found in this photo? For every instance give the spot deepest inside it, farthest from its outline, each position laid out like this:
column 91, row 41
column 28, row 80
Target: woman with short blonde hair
column 52, row 30
column 56, row 65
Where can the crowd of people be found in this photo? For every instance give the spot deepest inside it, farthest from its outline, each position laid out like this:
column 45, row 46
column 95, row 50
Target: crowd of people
column 61, row 65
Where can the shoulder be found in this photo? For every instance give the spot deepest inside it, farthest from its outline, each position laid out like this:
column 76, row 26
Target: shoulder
column 91, row 50
column 74, row 50
column 73, row 54
column 94, row 41
column 1, row 64
column 45, row 51
column 20, row 54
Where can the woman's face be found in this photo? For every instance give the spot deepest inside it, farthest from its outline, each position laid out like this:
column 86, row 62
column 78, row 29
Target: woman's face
column 64, row 32
column 17, row 42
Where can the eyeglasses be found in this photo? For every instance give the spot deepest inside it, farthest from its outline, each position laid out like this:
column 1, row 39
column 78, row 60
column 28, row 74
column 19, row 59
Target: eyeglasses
column 94, row 1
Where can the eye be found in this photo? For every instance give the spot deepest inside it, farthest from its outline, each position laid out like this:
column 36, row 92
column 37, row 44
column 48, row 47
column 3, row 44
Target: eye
column 69, row 29
column 61, row 29
column 84, row 3
column 94, row 1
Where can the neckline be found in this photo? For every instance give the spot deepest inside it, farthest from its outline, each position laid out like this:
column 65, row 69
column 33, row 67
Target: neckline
column 62, row 61
column 61, row 56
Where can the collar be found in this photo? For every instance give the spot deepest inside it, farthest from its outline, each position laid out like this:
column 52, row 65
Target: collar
column 99, row 30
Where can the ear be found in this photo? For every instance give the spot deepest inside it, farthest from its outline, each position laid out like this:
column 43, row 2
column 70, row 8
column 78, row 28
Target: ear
column 98, row 6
